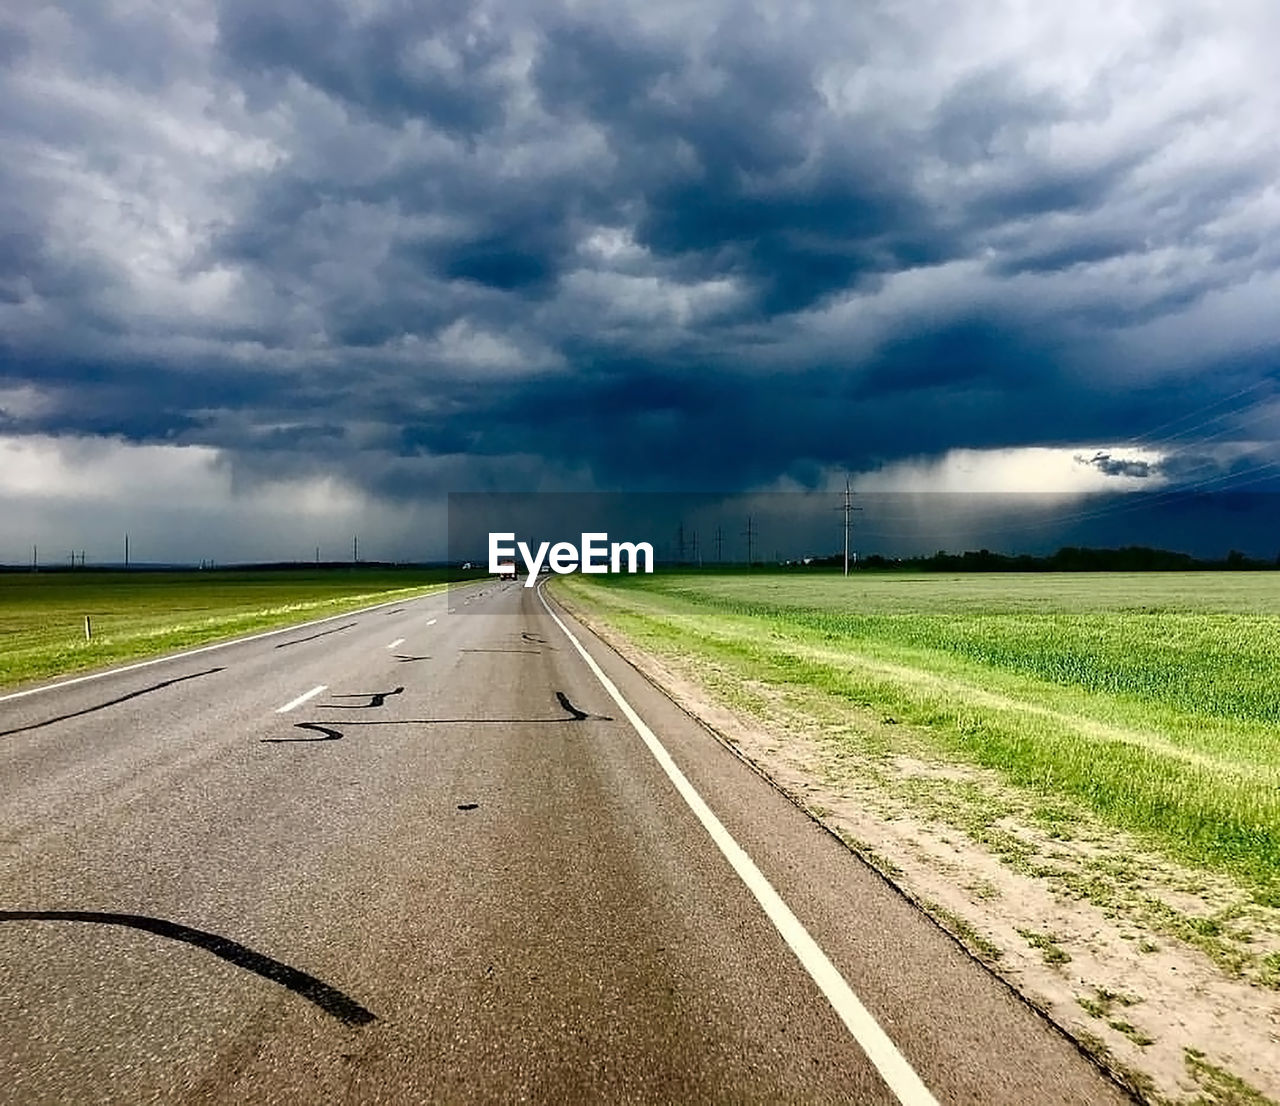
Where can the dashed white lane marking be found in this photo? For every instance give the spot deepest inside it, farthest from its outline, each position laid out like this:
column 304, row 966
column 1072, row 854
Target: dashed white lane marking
column 893, row 1067
column 302, row 699
column 398, row 641
column 431, row 621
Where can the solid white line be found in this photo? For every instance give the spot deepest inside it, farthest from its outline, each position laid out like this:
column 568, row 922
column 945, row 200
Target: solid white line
column 398, row 641
column 431, row 621
column 302, row 699
column 893, row 1067
column 209, row 648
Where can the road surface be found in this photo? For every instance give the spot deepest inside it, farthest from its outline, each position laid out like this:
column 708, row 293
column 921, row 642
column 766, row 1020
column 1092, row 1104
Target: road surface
column 422, row 853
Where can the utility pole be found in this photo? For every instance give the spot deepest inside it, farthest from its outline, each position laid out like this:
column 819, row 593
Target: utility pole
column 317, row 554
column 355, row 549
column 750, row 534
column 695, row 549
column 719, row 545
column 126, row 549
column 680, row 543
column 35, row 559
column 848, row 508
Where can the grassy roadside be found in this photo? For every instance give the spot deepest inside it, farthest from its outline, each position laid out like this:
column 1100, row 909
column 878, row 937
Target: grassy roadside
column 137, row 615
column 1158, row 717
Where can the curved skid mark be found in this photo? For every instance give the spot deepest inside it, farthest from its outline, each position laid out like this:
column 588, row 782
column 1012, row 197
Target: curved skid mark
column 329, row 735
column 332, row 1001
column 578, row 714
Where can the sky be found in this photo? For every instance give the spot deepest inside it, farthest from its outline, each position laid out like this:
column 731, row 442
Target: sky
column 272, row 274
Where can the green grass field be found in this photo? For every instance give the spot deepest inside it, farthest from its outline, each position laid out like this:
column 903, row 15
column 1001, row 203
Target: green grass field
column 140, row 614
column 1153, row 700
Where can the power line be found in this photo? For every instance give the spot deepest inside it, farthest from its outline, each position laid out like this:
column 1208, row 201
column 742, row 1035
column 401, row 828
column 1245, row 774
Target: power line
column 1149, row 436
column 848, row 508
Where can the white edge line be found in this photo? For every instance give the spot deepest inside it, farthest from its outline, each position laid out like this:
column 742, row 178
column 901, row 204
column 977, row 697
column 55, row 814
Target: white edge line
column 893, row 1067
column 216, row 645
column 398, row 641
column 302, row 699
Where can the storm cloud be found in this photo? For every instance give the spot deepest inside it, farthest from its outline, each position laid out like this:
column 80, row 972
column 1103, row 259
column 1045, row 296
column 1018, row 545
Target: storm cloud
column 1118, row 466
column 409, row 249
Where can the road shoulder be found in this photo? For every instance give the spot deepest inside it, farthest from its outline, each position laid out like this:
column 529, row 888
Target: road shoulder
column 944, row 1008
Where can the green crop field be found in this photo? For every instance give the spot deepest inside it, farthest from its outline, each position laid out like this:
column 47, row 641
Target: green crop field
column 1152, row 700
column 139, row 614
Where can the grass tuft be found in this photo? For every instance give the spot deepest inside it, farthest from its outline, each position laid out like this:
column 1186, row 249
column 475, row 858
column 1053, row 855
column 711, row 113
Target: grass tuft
column 1221, row 1086
column 1053, row 953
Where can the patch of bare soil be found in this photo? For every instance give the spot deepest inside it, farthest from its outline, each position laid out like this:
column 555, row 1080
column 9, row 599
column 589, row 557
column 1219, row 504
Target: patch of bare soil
column 1166, row 975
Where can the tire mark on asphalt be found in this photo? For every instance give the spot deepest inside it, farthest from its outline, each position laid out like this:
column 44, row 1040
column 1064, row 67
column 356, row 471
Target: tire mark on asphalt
column 332, row 1001
column 575, row 715
column 376, row 699
column 111, row 702
column 579, row 715
column 322, row 633
column 329, row 734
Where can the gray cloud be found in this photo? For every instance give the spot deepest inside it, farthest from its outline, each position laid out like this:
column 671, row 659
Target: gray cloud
column 1119, row 466
column 420, row 248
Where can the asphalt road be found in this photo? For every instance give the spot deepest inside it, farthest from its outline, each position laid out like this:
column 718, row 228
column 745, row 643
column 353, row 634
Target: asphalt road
column 459, row 872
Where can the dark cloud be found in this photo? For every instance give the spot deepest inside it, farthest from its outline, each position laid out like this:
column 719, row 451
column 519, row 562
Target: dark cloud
column 435, row 64
column 704, row 246
column 742, row 171
column 1118, row 466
